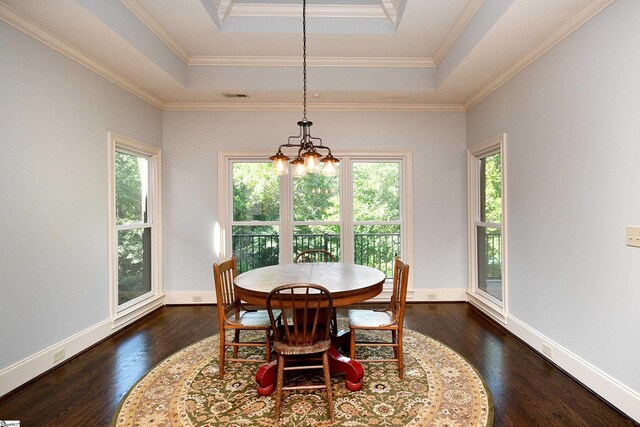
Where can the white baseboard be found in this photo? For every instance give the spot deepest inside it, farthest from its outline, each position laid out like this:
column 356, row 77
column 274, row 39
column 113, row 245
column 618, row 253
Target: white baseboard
column 27, row 369
column 190, row 297
column 415, row 295
column 438, row 295
column 609, row 388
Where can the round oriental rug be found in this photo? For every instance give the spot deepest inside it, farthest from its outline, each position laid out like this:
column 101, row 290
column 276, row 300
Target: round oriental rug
column 439, row 388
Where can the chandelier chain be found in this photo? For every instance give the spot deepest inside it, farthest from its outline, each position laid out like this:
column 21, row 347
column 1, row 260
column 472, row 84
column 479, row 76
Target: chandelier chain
column 304, row 58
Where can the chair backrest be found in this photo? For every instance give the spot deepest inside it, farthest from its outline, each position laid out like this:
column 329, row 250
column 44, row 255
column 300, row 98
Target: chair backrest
column 315, row 255
column 306, row 311
column 223, row 275
column 399, row 294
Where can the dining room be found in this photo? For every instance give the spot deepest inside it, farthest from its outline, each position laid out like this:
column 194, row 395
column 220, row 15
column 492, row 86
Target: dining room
column 487, row 145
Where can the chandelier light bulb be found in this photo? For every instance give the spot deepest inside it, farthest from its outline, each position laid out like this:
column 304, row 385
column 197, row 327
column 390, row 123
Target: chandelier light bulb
column 281, row 167
column 329, row 168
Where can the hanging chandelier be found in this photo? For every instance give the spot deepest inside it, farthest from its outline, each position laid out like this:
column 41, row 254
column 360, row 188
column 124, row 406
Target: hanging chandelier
column 308, row 158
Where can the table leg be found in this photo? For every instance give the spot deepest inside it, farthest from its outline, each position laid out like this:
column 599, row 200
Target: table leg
column 267, row 373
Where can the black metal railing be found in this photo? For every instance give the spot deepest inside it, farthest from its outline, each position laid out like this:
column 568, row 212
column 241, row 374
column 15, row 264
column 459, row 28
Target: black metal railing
column 372, row 249
column 326, row 241
column 493, row 254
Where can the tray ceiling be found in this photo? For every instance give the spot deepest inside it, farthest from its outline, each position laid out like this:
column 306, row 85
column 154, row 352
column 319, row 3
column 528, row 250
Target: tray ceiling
column 362, row 54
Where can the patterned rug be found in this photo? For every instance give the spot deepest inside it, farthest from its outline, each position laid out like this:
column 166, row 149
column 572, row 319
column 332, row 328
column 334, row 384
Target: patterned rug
column 439, row 388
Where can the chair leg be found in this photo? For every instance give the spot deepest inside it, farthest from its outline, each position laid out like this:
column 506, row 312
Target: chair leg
column 352, row 348
column 268, row 345
column 394, row 339
column 236, row 338
column 400, row 358
column 327, row 382
column 279, row 385
column 222, row 348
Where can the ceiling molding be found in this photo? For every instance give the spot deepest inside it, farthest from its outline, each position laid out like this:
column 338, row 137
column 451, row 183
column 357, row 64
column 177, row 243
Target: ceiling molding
column 390, row 8
column 463, row 20
column 28, row 27
column 153, row 25
column 313, row 11
column 220, row 106
column 223, row 7
column 562, row 32
column 296, row 61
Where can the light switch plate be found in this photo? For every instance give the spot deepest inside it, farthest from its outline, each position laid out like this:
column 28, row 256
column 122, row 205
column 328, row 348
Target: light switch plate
column 633, row 236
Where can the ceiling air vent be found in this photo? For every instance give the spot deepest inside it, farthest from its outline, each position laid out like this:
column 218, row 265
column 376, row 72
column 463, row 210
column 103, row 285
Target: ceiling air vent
column 235, row 95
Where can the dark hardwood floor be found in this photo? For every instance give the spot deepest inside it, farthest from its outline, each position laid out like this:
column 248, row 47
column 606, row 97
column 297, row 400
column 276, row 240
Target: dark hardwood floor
column 527, row 390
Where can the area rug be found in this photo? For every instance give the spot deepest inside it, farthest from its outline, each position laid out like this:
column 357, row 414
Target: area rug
column 439, row 388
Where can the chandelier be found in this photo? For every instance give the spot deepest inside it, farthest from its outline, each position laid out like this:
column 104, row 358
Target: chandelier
column 308, row 158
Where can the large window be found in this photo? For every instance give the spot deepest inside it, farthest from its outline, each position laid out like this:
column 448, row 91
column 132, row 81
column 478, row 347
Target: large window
column 487, row 252
column 359, row 215
column 135, row 224
column 377, row 220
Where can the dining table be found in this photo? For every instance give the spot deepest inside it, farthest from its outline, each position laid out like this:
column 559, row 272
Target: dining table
column 348, row 284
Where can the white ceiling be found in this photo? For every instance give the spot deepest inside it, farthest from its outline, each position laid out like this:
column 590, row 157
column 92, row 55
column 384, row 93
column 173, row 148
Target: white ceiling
column 362, row 54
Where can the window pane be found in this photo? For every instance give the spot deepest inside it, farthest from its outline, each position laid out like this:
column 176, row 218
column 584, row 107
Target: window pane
column 491, row 189
column 376, row 191
column 134, row 263
column 325, row 237
column 490, row 261
column 255, row 247
column 316, row 197
column 132, row 185
column 376, row 246
column 256, row 194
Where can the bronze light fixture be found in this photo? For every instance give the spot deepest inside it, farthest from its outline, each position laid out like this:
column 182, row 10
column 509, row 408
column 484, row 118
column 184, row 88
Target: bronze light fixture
column 308, row 158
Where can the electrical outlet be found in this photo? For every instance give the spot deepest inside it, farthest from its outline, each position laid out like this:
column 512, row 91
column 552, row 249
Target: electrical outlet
column 633, row 236
column 58, row 356
column 547, row 350
column 432, row 296
column 197, row 298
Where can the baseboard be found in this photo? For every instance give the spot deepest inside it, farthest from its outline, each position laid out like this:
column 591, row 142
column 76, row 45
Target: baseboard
column 415, row 295
column 27, row 369
column 190, row 297
column 437, row 295
column 31, row 367
column 607, row 387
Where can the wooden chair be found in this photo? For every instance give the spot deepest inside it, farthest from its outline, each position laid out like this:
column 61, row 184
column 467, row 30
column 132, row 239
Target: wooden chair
column 303, row 332
column 390, row 319
column 315, row 255
column 232, row 315
column 319, row 255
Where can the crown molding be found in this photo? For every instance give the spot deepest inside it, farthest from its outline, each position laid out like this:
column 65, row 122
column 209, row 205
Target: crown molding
column 141, row 13
column 313, row 11
column 461, row 23
column 28, row 27
column 319, row 61
column 220, row 106
column 562, row 32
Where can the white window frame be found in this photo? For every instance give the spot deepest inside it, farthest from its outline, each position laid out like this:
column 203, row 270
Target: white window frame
column 124, row 314
column 491, row 306
column 225, row 158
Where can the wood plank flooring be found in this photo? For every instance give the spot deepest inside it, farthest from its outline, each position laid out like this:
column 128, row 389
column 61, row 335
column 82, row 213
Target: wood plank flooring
column 527, row 390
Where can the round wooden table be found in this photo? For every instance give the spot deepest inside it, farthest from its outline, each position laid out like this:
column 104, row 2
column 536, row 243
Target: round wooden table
column 347, row 283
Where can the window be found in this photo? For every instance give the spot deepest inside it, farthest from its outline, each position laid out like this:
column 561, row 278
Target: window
column 486, row 229
column 316, row 213
column 255, row 217
column 359, row 215
column 134, row 218
column 376, row 189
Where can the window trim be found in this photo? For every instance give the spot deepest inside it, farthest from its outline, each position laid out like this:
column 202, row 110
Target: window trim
column 222, row 243
column 491, row 306
column 132, row 310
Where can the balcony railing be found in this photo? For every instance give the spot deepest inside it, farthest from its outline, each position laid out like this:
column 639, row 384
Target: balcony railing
column 372, row 249
column 493, row 254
